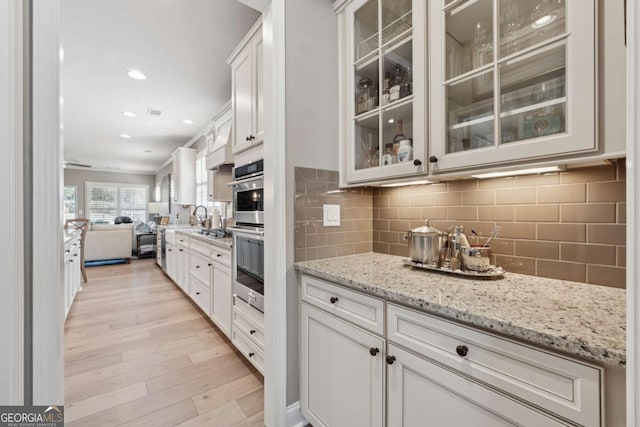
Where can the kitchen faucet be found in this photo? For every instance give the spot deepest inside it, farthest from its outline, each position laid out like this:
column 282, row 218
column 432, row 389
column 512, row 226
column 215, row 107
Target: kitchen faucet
column 205, row 212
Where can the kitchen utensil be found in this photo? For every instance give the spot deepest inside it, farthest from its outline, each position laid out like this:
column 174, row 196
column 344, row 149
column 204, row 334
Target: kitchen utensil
column 476, row 258
column 425, row 243
column 494, row 233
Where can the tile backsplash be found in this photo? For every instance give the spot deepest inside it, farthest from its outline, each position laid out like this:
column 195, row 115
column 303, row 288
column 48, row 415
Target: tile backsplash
column 567, row 225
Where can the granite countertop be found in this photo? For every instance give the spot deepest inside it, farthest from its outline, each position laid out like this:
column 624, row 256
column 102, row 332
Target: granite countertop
column 583, row 320
column 222, row 242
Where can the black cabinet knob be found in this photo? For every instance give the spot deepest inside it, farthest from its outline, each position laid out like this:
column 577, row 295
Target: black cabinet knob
column 417, row 162
column 209, row 264
column 253, row 331
column 433, row 159
column 75, row 254
column 70, row 260
column 333, row 300
column 374, row 350
column 218, row 255
column 197, row 293
column 67, row 250
column 170, row 250
column 390, row 360
column 197, row 266
column 251, row 354
column 246, row 138
column 181, row 250
column 251, row 137
column 462, row 350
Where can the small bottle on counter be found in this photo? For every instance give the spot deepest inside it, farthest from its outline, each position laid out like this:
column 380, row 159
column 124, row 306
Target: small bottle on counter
column 388, row 157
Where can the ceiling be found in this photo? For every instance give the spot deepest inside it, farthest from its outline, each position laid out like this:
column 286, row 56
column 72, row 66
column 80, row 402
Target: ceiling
column 180, row 45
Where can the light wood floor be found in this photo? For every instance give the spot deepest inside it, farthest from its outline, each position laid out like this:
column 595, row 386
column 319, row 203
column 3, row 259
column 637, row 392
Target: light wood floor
column 138, row 353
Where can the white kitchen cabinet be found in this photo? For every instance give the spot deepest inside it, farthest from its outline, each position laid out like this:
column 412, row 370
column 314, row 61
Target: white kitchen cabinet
column 184, row 176
column 515, row 81
column 247, row 90
column 182, row 267
column 382, row 87
column 217, row 188
column 72, row 272
column 342, row 372
column 221, row 298
column 171, row 259
column 420, row 390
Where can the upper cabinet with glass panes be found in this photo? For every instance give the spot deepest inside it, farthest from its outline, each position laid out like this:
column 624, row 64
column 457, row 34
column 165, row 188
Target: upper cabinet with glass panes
column 383, row 98
column 510, row 80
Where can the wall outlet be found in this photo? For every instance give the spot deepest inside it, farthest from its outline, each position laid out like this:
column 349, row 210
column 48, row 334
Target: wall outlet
column 331, row 215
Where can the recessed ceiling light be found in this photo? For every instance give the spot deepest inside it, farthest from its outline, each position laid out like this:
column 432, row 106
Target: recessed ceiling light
column 390, row 121
column 187, row 121
column 125, row 136
column 128, row 114
column 545, row 20
column 136, row 74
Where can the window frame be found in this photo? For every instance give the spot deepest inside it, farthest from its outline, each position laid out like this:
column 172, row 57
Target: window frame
column 119, row 208
column 75, row 202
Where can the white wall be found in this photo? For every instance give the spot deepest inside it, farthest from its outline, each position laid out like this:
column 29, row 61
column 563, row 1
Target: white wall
column 311, row 127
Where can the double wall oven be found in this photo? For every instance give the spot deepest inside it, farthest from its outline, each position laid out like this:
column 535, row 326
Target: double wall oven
column 248, row 233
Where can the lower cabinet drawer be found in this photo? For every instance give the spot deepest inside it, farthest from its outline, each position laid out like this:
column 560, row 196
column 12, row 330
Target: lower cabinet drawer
column 249, row 349
column 199, row 267
column 200, row 294
column 222, row 256
column 254, row 315
column 253, row 329
column 563, row 386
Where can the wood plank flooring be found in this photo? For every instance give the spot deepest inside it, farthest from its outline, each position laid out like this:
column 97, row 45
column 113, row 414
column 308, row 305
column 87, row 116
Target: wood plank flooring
column 138, row 353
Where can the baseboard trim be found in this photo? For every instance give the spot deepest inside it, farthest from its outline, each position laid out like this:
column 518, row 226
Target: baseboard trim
column 294, row 416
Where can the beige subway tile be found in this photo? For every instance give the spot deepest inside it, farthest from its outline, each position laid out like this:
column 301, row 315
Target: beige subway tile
column 312, row 227
column 389, row 236
column 400, row 201
column 375, row 213
column 614, row 234
column 399, row 250
column 515, row 196
column 350, row 213
column 621, row 216
column 517, row 230
column 569, row 193
column 462, row 213
column 314, row 187
column 381, row 247
column 538, row 213
column 576, row 272
column 588, row 212
column 362, row 247
column 516, row 265
column 447, row 199
column 409, row 213
column 463, row 185
column 314, row 214
column 363, row 202
column 300, row 209
column 506, row 182
column 538, row 180
column 613, row 191
column 590, row 174
column 500, row 246
column 441, row 225
column 344, row 250
column 483, row 229
column 336, row 238
column 622, row 169
column 312, row 253
column 381, row 224
column 420, row 200
column 327, row 175
column 375, row 236
column 381, row 202
column 496, row 213
column 306, row 173
column 300, row 255
column 402, row 225
column 621, row 256
column 315, row 240
column 435, row 212
column 300, row 238
column 562, row 232
column 475, row 198
column 357, row 236
column 345, row 225
column 537, row 249
column 362, row 225
column 327, row 252
column 588, row 253
column 433, row 188
column 607, row 276
column 388, row 213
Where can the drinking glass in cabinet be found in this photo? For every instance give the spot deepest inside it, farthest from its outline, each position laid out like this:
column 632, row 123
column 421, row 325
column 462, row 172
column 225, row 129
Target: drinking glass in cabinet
column 365, row 29
column 397, row 82
column 527, row 23
column 396, row 19
column 469, row 36
column 533, row 94
column 367, row 146
column 366, row 79
column 397, row 134
column 470, row 117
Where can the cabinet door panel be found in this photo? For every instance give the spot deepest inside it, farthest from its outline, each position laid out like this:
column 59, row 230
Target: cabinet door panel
column 221, row 296
column 419, row 390
column 342, row 383
column 242, row 99
column 258, row 117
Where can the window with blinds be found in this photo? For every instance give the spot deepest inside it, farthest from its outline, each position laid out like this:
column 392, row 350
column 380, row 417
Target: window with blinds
column 201, row 180
column 70, row 202
column 107, row 201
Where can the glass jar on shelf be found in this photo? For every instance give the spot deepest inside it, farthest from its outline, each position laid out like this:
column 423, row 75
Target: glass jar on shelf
column 365, row 100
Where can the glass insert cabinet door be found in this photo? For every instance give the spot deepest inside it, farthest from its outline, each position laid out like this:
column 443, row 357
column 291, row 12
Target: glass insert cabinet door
column 383, row 74
column 511, row 80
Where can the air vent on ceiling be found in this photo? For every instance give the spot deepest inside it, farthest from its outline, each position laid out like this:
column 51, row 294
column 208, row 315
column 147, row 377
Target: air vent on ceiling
column 152, row 112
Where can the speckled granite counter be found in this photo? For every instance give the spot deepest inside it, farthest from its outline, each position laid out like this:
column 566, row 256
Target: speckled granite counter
column 583, row 320
column 223, row 242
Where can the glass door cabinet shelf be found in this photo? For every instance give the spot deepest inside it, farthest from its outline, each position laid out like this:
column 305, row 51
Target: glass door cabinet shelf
column 515, row 80
column 383, row 80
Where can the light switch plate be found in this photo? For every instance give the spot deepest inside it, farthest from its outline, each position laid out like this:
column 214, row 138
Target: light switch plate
column 331, row 215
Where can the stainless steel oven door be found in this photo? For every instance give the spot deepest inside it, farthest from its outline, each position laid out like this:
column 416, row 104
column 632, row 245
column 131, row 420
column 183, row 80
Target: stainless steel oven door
column 248, row 266
column 248, row 201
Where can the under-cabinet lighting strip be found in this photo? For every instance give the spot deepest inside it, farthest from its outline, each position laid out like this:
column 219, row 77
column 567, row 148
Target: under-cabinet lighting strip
column 530, row 171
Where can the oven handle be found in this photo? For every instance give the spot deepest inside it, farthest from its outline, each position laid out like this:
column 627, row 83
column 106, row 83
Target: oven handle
column 244, row 181
column 239, row 230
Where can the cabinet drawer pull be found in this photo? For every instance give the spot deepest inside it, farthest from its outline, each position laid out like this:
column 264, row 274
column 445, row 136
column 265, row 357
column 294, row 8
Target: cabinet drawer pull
column 417, row 162
column 253, row 331
column 374, row 350
column 197, row 266
column 70, row 260
column 181, row 250
column 197, row 293
column 333, row 300
column 75, row 254
column 218, row 255
column 251, row 354
column 67, row 250
column 433, row 159
column 209, row 265
column 170, row 250
column 462, row 350
column 390, row 360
